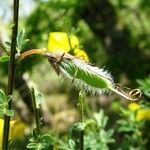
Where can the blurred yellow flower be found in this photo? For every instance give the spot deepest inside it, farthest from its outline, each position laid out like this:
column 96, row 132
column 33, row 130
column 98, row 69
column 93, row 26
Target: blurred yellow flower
column 16, row 130
column 58, row 41
column 143, row 114
column 81, row 54
column 134, row 106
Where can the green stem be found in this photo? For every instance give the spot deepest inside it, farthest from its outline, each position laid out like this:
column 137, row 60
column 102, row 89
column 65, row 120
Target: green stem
column 11, row 72
column 36, row 112
column 81, row 110
column 69, row 41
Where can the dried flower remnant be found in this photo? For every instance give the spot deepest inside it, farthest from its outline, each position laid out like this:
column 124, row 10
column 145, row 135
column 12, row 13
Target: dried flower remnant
column 86, row 77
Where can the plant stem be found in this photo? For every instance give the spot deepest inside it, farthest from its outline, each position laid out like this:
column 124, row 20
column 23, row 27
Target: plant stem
column 81, row 109
column 69, row 41
column 11, row 73
column 32, row 51
column 36, row 112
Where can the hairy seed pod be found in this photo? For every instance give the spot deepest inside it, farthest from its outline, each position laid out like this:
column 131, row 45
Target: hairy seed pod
column 85, row 76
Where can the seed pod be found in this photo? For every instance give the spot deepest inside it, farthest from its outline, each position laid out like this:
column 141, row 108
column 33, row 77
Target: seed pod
column 85, row 76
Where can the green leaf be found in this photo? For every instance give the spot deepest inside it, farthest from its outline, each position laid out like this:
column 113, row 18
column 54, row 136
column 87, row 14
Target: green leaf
column 31, row 145
column 89, row 122
column 9, row 112
column 2, row 97
column 72, row 144
column 4, row 58
column 39, row 98
column 46, row 138
column 79, row 126
column 1, row 112
column 20, row 39
column 147, row 92
column 101, row 119
column 7, row 45
column 9, row 98
column 31, row 140
column 26, row 41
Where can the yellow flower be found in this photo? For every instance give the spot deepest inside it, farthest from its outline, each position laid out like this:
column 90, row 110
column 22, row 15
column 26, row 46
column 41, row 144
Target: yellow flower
column 16, row 130
column 143, row 114
column 58, row 41
column 133, row 106
column 1, row 130
column 81, row 54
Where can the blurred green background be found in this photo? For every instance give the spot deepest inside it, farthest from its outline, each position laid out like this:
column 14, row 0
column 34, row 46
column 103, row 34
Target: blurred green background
column 114, row 33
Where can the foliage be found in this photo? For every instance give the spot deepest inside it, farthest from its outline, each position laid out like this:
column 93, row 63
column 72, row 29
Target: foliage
column 131, row 127
column 145, row 86
column 110, row 38
column 42, row 142
column 100, row 137
column 4, row 100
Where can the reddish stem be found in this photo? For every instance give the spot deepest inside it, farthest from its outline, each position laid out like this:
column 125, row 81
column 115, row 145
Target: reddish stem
column 30, row 52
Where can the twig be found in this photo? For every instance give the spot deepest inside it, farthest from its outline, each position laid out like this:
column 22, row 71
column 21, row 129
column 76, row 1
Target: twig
column 31, row 52
column 36, row 112
column 11, row 72
column 81, row 109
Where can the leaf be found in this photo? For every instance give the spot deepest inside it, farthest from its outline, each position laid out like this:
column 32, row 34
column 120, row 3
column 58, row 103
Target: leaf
column 7, row 45
column 79, row 126
column 1, row 112
column 125, row 129
column 2, row 97
column 9, row 98
column 147, row 92
column 39, row 98
column 9, row 113
column 24, row 43
column 72, row 144
column 4, row 58
column 20, row 38
column 101, row 119
column 31, row 145
column 21, row 41
column 46, row 138
column 89, row 122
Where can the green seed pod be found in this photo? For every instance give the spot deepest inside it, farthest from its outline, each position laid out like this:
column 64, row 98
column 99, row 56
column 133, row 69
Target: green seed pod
column 85, row 76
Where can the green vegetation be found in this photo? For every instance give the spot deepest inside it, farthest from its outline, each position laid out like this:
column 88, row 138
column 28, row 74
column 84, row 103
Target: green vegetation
column 71, row 41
